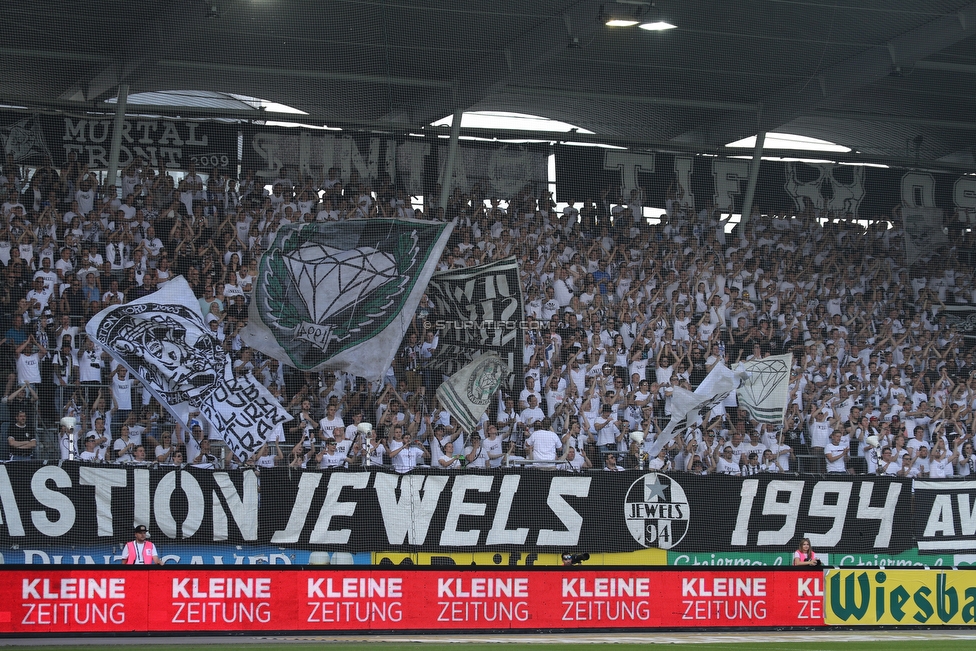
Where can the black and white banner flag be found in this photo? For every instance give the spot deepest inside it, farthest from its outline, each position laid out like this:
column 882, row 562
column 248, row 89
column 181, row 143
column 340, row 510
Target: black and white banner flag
column 500, row 170
column 923, row 232
column 476, row 310
column 78, row 504
column 24, row 141
column 963, row 317
column 341, row 295
column 162, row 339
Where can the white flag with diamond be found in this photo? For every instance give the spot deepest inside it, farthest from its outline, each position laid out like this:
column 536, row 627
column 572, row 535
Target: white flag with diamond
column 764, row 390
column 341, row 295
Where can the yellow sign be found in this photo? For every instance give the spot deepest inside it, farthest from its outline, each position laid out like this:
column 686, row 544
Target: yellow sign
column 517, row 559
column 892, row 597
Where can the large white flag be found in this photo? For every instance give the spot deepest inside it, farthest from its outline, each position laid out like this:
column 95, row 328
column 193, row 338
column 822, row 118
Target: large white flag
column 764, row 388
column 162, row 339
column 341, row 295
column 467, row 393
column 688, row 407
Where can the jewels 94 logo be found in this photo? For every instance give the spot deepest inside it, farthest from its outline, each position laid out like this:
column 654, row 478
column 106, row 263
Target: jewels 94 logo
column 656, row 510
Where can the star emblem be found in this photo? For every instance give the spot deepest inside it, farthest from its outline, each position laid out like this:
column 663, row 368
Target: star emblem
column 653, row 490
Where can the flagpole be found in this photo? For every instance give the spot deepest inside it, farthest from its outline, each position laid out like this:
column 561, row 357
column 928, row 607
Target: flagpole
column 116, row 146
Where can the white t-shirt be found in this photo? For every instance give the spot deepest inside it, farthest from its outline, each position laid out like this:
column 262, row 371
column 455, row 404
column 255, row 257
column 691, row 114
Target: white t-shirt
column 819, row 434
column 28, row 369
column 544, row 444
column 122, row 392
column 407, row 459
column 335, row 460
column 838, row 464
column 726, row 467
column 328, row 426
column 492, row 448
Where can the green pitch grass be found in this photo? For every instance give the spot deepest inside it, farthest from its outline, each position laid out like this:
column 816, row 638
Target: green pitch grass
column 892, row 644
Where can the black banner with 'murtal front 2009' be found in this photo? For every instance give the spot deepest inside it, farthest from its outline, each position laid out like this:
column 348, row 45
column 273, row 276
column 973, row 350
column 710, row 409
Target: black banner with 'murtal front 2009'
column 526, row 510
column 33, row 139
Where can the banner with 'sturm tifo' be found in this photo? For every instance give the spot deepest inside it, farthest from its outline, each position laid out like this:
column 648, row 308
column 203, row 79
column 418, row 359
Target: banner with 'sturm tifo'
column 162, row 339
column 477, row 310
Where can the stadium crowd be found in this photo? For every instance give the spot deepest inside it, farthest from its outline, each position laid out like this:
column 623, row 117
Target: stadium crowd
column 623, row 311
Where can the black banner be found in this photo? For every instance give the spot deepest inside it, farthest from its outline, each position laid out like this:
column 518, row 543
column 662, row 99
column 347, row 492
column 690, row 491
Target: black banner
column 413, row 164
column 80, row 504
column 697, row 181
column 945, row 516
column 509, row 510
column 963, row 317
column 546, row 511
column 368, row 156
column 476, row 310
column 173, row 143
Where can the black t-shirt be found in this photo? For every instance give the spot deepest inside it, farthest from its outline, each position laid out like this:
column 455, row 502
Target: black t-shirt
column 20, row 435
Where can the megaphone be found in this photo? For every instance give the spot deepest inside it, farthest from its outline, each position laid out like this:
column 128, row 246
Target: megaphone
column 69, row 422
column 637, row 437
column 365, row 428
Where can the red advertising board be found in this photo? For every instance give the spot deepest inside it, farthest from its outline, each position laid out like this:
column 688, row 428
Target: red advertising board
column 99, row 600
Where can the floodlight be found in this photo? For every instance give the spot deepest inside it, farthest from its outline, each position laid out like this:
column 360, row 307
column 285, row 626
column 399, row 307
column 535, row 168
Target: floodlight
column 622, row 14
column 657, row 26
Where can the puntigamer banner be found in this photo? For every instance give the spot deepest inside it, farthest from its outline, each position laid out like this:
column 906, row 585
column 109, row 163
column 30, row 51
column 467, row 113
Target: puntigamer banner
column 526, row 511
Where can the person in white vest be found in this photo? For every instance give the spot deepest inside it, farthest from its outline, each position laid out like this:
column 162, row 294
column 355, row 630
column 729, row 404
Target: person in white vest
column 140, row 551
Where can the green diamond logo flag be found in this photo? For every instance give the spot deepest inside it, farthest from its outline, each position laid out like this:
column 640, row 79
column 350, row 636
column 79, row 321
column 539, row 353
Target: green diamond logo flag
column 341, row 295
column 467, row 393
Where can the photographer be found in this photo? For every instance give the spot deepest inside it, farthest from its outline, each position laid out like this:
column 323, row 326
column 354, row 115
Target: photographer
column 805, row 556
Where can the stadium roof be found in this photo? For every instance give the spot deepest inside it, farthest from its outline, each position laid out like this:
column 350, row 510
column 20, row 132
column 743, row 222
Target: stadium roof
column 889, row 79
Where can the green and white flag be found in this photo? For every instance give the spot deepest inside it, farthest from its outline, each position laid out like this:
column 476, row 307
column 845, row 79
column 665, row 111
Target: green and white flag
column 341, row 295
column 467, row 393
column 764, row 390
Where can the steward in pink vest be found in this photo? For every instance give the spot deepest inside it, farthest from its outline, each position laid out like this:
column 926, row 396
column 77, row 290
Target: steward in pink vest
column 140, row 551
